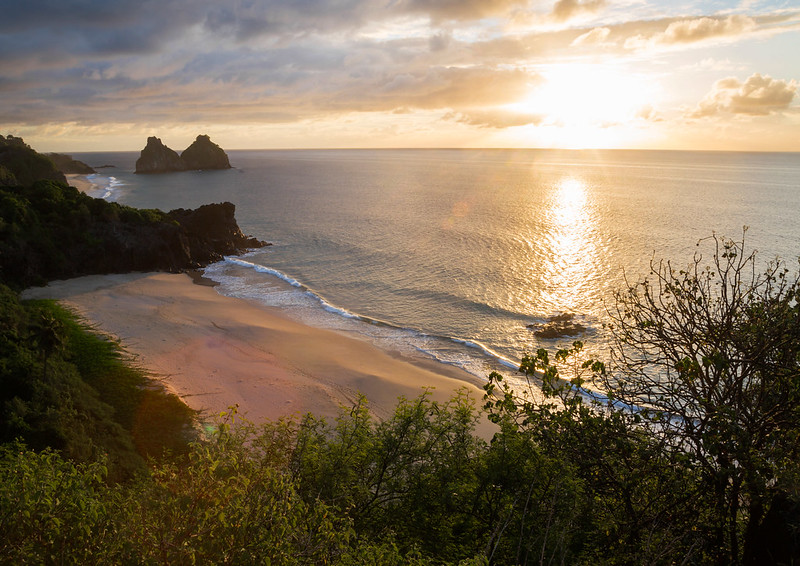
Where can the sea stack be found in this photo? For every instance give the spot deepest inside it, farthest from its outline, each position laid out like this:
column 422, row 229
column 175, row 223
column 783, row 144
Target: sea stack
column 205, row 154
column 158, row 158
column 202, row 154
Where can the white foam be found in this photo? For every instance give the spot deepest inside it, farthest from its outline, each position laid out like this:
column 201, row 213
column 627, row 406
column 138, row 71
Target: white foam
column 263, row 269
column 106, row 187
column 309, row 307
column 489, row 352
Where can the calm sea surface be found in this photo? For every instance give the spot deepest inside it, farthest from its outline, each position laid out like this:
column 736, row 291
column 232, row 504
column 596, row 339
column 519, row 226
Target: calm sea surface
column 453, row 253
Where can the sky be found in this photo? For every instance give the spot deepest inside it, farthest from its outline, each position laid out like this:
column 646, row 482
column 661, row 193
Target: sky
column 103, row 75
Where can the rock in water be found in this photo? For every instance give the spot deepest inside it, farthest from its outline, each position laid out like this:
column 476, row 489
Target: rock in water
column 558, row 326
column 205, row 154
column 158, row 158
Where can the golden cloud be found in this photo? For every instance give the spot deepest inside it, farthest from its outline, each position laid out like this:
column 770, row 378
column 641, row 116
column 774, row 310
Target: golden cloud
column 757, row 96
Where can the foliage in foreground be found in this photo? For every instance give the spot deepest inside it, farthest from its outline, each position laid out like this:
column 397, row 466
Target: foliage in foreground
column 700, row 413
column 697, row 467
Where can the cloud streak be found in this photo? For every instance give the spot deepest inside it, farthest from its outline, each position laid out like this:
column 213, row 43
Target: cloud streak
column 498, row 119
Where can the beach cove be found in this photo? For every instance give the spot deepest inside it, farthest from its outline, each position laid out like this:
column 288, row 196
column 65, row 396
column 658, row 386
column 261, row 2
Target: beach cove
column 217, row 352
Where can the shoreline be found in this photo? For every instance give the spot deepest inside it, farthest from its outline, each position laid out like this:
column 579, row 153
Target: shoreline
column 80, row 182
column 216, row 352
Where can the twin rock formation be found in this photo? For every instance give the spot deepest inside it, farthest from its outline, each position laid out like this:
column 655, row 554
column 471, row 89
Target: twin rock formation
column 202, row 154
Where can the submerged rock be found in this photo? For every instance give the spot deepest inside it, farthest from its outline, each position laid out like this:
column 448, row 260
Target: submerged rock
column 558, row 326
column 205, row 154
column 158, row 158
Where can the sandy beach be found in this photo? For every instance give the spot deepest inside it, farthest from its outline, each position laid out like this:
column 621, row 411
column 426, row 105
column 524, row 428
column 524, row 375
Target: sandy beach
column 80, row 182
column 216, row 352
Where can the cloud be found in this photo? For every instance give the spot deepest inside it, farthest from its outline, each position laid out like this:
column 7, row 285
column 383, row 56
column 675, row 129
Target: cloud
column 596, row 36
column 648, row 114
column 96, row 26
column 91, row 62
column 682, row 32
column 564, row 10
column 245, row 19
column 690, row 31
column 757, row 96
column 499, row 119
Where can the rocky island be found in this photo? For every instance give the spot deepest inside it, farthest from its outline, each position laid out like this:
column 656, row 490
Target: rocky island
column 205, row 154
column 202, row 154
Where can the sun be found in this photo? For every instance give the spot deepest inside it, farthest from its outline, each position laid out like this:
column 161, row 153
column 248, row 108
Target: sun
column 587, row 105
column 588, row 94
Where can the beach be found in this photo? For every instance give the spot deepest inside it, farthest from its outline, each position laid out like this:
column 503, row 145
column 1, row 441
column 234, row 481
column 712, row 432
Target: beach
column 217, row 352
column 80, row 182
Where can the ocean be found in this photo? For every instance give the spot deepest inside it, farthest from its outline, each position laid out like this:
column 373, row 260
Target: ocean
column 452, row 254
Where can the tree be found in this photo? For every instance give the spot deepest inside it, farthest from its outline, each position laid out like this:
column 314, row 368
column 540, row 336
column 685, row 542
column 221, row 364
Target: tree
column 686, row 444
column 709, row 357
column 48, row 333
column 607, row 491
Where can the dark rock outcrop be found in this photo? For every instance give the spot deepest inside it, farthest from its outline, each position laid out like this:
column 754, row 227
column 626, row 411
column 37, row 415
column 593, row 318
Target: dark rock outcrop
column 558, row 326
column 67, row 165
column 205, row 154
column 185, row 239
column 21, row 165
column 158, row 158
column 211, row 232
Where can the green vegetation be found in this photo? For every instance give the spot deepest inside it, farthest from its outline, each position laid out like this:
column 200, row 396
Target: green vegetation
column 49, row 230
column 65, row 388
column 689, row 456
column 20, row 165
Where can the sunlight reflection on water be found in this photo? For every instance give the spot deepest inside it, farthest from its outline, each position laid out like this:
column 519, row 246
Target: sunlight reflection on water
column 570, row 238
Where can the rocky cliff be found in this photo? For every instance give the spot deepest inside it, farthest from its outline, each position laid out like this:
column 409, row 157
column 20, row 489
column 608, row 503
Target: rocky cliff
column 158, row 158
column 205, row 154
column 202, row 154
column 52, row 231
